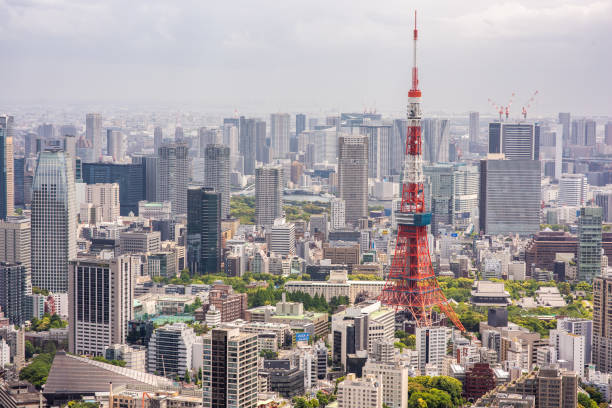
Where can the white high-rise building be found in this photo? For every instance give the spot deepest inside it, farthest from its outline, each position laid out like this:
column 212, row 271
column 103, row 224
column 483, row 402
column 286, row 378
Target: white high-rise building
column 15, row 245
column 431, row 345
column 353, row 176
column 436, row 139
column 173, row 175
column 379, row 151
column 282, row 238
column 570, row 347
column 170, row 350
column 54, row 221
column 280, row 124
column 394, row 378
column 365, row 392
column 115, row 145
column 268, row 194
column 100, row 298
column 572, row 190
column 106, row 197
column 93, row 133
column 474, row 129
column 338, row 213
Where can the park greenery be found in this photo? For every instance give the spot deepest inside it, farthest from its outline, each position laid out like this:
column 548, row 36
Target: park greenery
column 243, row 208
column 37, row 371
column 302, row 210
column 434, row 392
column 119, row 363
column 47, row 322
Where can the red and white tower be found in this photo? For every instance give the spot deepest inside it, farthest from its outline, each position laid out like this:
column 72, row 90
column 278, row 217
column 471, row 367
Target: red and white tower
column 411, row 284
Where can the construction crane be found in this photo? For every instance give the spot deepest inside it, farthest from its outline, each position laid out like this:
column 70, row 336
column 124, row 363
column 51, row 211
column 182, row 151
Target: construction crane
column 510, row 104
column 528, row 104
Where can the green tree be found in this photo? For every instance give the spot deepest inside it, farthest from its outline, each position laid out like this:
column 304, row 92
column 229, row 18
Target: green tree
column 38, row 370
column 187, row 377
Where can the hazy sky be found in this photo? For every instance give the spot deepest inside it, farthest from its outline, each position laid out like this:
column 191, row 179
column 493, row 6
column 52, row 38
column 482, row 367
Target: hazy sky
column 307, row 55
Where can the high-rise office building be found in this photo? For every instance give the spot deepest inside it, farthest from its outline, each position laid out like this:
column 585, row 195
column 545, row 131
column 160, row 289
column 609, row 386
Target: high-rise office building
column 431, row 345
column 115, row 144
column 365, row 392
column 7, row 193
column 170, row 350
column 439, row 194
column 100, row 303
column 179, row 134
column 203, row 230
column 229, row 372
column 268, row 194
column 149, row 165
column 173, row 176
column 19, row 180
column 93, row 133
column 46, row 131
column 279, row 134
column 262, row 150
column 282, row 238
column 132, row 179
column 608, row 134
column 580, row 327
column 603, row 199
column 436, row 139
column 54, row 221
column 353, row 176
column 300, row 123
column 106, row 197
column 338, row 215
column 517, row 141
column 466, row 180
column 379, row 150
column 572, row 190
column 556, row 388
column 248, row 144
column 217, row 174
column 398, row 141
column 565, row 122
column 158, row 138
column 583, row 132
column 15, row 246
column 589, row 243
column 510, row 194
column 15, row 289
column 207, row 137
column 474, row 127
column 602, row 324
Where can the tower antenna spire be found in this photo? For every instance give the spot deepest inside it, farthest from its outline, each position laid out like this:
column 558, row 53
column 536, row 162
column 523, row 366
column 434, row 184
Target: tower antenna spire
column 415, row 69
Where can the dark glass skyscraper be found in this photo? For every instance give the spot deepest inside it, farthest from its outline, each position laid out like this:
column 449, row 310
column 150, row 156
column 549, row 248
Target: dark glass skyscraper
column 131, row 179
column 203, row 230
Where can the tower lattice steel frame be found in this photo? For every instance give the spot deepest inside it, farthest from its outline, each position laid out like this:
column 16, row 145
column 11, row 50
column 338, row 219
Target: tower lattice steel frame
column 411, row 284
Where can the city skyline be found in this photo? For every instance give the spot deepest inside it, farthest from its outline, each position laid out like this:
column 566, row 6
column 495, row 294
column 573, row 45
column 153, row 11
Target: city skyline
column 191, row 51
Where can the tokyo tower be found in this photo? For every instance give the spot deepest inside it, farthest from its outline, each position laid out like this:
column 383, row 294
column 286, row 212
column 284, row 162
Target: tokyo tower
column 411, row 284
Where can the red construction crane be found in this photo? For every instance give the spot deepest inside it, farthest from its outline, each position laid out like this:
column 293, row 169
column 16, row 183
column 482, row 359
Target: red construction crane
column 412, row 285
column 528, row 104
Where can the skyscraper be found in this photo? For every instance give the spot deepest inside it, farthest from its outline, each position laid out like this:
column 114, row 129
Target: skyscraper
column 603, row 199
column 217, row 174
column 173, row 178
column 262, row 149
column 15, row 245
column 93, row 133
column 439, row 194
column 207, row 137
column 572, row 190
column 398, row 139
column 436, row 139
column 203, row 230
column 229, row 372
column 353, row 176
column 115, row 144
column 268, row 194
column 589, row 243
column 279, row 134
column 15, row 287
column 54, row 221
column 7, row 193
column 379, row 150
column 248, row 144
column 338, row 213
column 179, row 135
column 602, row 323
column 517, row 141
column 158, row 138
column 510, row 194
column 608, row 134
column 100, row 303
column 474, row 127
column 300, row 123
column 565, row 122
